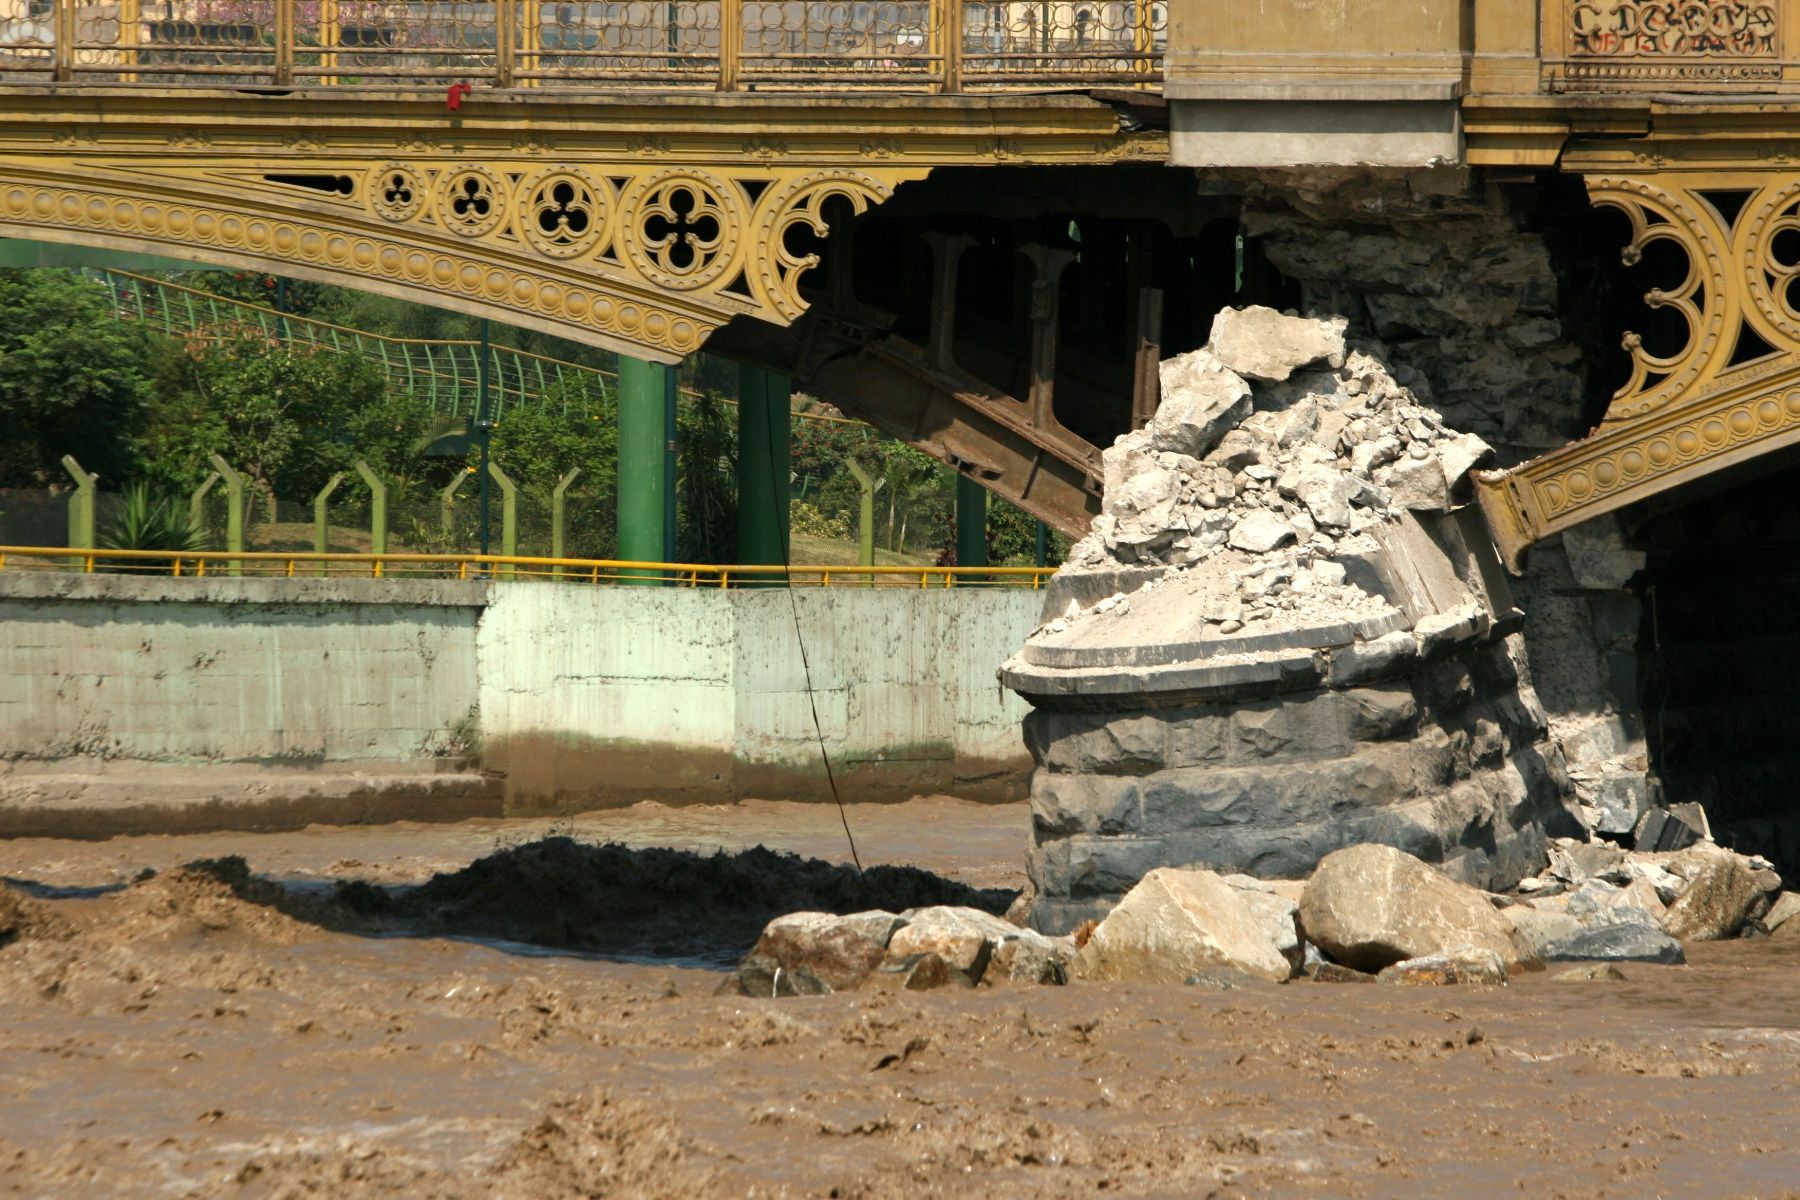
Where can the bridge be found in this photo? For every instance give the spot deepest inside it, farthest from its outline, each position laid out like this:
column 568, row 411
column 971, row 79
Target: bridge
column 951, row 219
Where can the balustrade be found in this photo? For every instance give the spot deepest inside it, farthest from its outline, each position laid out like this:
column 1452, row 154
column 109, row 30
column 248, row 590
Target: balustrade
column 725, row 45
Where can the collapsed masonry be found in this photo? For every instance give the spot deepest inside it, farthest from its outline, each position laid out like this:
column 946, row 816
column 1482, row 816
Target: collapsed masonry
column 1285, row 634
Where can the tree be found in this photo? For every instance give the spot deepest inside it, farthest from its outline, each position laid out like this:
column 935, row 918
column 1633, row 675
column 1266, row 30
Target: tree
column 72, row 381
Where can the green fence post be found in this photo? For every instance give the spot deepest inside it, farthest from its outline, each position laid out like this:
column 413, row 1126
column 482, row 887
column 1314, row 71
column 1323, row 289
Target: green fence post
column 765, row 430
column 971, row 523
column 81, row 505
column 644, row 437
column 558, row 503
column 197, row 501
column 509, row 516
column 321, row 521
column 377, row 507
column 865, row 514
column 234, row 518
column 447, row 503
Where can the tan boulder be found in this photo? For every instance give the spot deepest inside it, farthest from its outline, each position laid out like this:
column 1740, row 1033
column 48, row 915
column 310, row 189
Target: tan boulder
column 1178, row 923
column 1721, row 888
column 964, row 938
column 1371, row 906
column 810, row 952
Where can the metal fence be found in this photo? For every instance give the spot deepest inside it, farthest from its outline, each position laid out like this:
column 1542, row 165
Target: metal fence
column 199, row 565
column 724, row 45
column 447, row 372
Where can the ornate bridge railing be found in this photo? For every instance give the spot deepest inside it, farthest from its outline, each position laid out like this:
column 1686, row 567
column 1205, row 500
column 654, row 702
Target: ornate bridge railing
column 726, row 45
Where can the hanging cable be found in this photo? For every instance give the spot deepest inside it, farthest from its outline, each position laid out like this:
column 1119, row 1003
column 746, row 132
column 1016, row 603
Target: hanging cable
column 775, row 488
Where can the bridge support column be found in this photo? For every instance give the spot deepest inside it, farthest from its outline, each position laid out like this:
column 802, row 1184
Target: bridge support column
column 971, row 523
column 765, row 430
column 646, row 471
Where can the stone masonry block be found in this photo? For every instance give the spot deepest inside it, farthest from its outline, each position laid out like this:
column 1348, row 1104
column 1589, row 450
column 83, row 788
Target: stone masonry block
column 1086, row 866
column 1285, row 730
column 1206, row 797
column 1376, row 714
column 1095, row 742
column 1196, row 736
column 1070, row 803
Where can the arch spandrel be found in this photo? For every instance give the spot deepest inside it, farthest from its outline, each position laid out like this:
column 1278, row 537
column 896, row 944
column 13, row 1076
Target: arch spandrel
column 643, row 257
column 1698, row 408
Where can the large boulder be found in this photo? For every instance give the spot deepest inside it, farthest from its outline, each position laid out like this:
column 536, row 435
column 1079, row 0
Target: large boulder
column 1277, row 913
column 811, row 952
column 1371, row 906
column 1721, row 887
column 1260, row 343
column 1178, row 923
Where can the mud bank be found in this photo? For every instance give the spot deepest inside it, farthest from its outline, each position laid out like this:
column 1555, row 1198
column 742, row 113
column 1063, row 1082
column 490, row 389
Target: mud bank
column 196, row 1034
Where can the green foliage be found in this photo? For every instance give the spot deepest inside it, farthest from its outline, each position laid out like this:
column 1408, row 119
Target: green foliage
column 71, row 381
column 706, row 490
column 536, row 447
column 287, row 419
column 147, row 521
column 805, row 520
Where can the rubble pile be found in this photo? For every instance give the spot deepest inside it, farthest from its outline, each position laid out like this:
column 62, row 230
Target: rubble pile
column 1276, row 451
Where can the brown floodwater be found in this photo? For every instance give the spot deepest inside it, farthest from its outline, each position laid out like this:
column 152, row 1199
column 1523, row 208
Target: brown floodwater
column 199, row 1034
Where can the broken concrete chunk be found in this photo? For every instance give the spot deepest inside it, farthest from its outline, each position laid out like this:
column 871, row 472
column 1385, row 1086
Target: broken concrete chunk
column 1260, row 532
column 1200, row 401
column 1260, row 343
column 1457, row 456
column 1176, row 923
column 1418, row 484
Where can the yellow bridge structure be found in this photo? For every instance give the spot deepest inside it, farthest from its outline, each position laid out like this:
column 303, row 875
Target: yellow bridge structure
column 658, row 177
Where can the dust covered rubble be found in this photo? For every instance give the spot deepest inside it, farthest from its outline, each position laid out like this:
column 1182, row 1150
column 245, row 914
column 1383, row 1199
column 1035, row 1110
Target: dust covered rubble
column 1275, row 457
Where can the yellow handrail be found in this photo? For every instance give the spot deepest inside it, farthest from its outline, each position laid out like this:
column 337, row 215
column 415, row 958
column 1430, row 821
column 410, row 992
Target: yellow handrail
column 193, row 564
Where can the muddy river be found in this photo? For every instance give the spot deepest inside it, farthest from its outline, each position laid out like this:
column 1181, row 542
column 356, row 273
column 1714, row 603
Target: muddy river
column 442, row 1011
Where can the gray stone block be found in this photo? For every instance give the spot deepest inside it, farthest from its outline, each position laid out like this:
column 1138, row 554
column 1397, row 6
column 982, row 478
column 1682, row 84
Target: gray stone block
column 1067, row 804
column 1288, row 729
column 1195, row 736
column 1207, row 797
column 1626, row 942
column 1096, row 742
column 1374, row 714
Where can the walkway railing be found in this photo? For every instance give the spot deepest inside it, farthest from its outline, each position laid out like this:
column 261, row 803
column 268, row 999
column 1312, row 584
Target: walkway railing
column 201, row 564
column 725, row 45
column 445, row 371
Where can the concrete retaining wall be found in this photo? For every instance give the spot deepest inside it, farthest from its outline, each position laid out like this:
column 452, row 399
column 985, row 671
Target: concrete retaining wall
column 251, row 701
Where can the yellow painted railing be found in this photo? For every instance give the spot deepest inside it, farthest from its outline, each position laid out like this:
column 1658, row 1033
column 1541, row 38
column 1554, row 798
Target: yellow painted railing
column 263, row 564
column 723, row 45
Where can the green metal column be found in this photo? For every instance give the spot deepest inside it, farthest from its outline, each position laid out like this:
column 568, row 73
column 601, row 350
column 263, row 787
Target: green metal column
column 645, row 434
column 765, row 430
column 971, row 523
